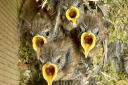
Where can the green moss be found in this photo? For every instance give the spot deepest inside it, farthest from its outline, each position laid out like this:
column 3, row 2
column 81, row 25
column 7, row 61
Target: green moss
column 122, row 82
column 118, row 17
column 123, row 76
column 97, row 60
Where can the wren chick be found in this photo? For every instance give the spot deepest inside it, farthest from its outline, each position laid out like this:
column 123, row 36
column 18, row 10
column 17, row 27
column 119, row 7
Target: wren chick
column 64, row 54
column 72, row 13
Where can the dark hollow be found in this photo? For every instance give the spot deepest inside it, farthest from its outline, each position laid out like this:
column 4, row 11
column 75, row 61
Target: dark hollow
column 92, row 4
column 50, row 70
column 88, row 39
column 40, row 42
column 72, row 14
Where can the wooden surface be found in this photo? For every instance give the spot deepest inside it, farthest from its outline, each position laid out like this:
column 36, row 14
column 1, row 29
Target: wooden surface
column 9, row 74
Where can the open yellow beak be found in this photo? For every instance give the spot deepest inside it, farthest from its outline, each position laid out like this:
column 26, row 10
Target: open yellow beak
column 49, row 72
column 37, row 42
column 72, row 14
column 88, row 41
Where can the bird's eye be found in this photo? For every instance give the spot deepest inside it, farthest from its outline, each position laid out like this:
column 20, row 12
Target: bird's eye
column 96, row 31
column 47, row 33
column 58, row 61
column 78, row 5
column 85, row 8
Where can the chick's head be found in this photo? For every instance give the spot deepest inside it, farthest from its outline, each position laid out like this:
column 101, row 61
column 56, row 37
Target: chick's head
column 63, row 55
column 92, row 24
column 72, row 13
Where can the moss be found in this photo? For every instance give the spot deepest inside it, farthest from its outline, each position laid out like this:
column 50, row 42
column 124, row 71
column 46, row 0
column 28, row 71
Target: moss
column 118, row 18
column 122, row 82
column 97, row 60
column 123, row 76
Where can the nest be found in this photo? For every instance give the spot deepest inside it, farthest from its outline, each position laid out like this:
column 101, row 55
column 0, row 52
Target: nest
column 108, row 65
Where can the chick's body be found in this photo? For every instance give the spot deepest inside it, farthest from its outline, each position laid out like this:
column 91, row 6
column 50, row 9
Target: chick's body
column 63, row 54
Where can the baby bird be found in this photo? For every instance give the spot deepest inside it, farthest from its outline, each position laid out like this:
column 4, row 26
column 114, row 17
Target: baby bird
column 41, row 28
column 95, row 49
column 72, row 13
column 62, row 53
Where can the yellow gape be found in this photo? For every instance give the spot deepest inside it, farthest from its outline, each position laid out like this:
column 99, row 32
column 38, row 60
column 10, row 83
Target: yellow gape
column 37, row 42
column 88, row 41
column 49, row 72
column 72, row 14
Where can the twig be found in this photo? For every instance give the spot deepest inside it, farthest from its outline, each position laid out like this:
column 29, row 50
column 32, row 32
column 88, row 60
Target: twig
column 57, row 21
column 107, row 76
column 57, row 24
column 42, row 61
column 118, row 50
column 44, row 4
column 105, row 51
